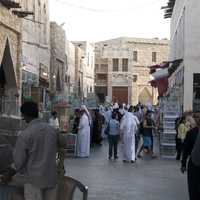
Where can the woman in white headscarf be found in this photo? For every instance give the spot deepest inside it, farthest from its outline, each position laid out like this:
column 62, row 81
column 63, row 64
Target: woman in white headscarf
column 128, row 129
column 83, row 146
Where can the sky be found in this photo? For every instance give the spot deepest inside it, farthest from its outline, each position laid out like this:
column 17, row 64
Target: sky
column 98, row 20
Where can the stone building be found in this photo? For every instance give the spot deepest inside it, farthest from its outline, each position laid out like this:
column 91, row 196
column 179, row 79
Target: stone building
column 58, row 59
column 87, row 62
column 121, row 69
column 184, row 83
column 70, row 70
column 36, row 52
column 78, row 72
column 10, row 54
column 58, row 70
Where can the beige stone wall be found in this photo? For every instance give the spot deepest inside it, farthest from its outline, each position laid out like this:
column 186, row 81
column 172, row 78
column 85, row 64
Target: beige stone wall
column 10, row 27
column 123, row 48
column 185, row 37
column 88, row 65
column 78, row 72
column 36, row 36
column 58, row 56
column 70, row 53
column 10, row 35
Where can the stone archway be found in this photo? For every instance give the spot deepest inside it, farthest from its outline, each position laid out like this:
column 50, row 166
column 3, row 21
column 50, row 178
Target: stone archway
column 8, row 83
column 145, row 96
column 8, row 68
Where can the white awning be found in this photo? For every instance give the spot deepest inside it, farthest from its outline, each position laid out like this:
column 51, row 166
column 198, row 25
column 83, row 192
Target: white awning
column 160, row 73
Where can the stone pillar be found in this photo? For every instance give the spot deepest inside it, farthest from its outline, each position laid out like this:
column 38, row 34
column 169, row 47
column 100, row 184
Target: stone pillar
column 110, row 78
column 134, row 93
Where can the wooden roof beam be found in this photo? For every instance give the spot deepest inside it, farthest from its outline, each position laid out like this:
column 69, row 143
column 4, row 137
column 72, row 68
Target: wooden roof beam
column 9, row 4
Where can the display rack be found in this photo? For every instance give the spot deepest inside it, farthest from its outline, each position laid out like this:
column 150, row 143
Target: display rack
column 170, row 112
column 70, row 149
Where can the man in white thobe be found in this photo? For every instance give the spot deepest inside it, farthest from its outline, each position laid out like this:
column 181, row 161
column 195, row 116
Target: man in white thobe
column 83, row 148
column 128, row 129
column 53, row 121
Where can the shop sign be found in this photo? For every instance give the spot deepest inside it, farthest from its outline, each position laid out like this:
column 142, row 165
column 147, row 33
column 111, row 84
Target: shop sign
column 28, row 66
column 91, row 101
column 29, row 78
column 44, row 72
column 60, row 101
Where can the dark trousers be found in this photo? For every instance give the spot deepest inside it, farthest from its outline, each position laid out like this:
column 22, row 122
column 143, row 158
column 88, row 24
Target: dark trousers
column 152, row 142
column 113, row 143
column 193, row 181
column 137, row 140
column 179, row 148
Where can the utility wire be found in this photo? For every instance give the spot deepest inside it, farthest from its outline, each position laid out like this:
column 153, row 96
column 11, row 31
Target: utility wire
column 104, row 10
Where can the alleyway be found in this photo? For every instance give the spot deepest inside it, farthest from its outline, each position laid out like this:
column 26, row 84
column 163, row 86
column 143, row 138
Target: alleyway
column 145, row 180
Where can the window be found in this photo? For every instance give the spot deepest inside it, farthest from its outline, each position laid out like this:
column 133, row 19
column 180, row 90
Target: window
column 96, row 66
column 92, row 59
column 102, row 76
column 154, row 57
column 88, row 59
column 115, row 64
column 104, row 67
column 59, row 77
column 91, row 89
column 87, row 89
column 125, row 64
column 135, row 56
column 45, row 10
column 58, row 82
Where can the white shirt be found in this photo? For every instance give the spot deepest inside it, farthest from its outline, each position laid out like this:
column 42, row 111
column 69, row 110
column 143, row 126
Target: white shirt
column 54, row 122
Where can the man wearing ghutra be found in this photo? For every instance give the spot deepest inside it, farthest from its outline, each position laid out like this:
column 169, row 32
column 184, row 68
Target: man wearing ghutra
column 83, row 148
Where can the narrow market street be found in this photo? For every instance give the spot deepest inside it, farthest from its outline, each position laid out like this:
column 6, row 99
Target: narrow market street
column 148, row 179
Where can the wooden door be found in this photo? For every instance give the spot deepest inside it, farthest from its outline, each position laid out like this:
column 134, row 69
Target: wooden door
column 120, row 94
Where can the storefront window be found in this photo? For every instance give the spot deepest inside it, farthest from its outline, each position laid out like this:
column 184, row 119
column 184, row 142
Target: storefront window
column 196, row 93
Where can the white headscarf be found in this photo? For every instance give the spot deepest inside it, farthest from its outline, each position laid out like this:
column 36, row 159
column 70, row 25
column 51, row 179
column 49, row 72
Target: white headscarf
column 121, row 111
column 115, row 106
column 84, row 108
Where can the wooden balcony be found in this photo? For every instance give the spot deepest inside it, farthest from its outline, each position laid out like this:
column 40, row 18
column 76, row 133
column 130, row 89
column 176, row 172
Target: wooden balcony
column 9, row 4
column 22, row 14
column 101, row 82
column 101, row 69
column 168, row 9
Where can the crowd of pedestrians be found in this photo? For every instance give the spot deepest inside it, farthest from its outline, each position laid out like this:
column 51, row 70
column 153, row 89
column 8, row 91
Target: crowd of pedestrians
column 124, row 124
column 132, row 127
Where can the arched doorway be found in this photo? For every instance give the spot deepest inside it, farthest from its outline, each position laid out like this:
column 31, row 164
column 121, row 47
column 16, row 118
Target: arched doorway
column 8, row 84
column 145, row 96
